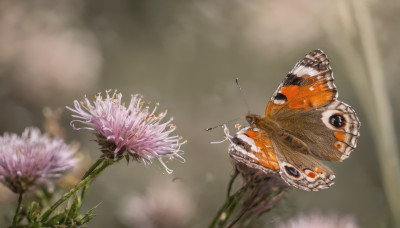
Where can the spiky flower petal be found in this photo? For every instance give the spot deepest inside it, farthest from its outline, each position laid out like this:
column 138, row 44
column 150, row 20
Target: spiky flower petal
column 133, row 130
column 32, row 159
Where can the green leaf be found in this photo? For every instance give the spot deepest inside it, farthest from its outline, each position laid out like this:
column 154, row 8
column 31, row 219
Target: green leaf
column 33, row 213
column 72, row 211
column 85, row 219
column 76, row 205
column 55, row 220
column 87, row 216
column 84, row 192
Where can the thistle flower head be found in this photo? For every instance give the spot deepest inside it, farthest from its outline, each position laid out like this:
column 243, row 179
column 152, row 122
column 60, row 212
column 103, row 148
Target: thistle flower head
column 32, row 159
column 133, row 130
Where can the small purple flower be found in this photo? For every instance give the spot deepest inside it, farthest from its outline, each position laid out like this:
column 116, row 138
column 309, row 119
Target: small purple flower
column 132, row 130
column 31, row 159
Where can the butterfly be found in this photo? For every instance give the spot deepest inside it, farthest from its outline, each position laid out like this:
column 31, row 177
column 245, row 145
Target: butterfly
column 304, row 124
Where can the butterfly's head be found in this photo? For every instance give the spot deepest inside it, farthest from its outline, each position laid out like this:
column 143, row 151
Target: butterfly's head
column 253, row 119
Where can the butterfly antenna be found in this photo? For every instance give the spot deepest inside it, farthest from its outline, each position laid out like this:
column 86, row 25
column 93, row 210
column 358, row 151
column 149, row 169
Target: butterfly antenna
column 244, row 97
column 220, row 125
column 245, row 101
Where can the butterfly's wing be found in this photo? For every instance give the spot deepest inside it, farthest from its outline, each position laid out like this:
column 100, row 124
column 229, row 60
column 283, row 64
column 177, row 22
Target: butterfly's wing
column 306, row 108
column 329, row 132
column 253, row 147
column 257, row 149
column 302, row 171
column 307, row 86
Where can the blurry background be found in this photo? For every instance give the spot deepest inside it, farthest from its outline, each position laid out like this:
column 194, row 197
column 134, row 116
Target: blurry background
column 186, row 55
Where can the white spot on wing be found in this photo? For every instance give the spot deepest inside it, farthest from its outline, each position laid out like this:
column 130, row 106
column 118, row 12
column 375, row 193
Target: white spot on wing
column 246, row 153
column 278, row 102
column 249, row 141
column 330, row 85
column 353, row 141
column 300, row 71
column 355, row 130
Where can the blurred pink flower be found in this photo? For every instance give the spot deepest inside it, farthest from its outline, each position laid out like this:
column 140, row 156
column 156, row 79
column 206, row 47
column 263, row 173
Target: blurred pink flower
column 32, row 158
column 47, row 41
column 132, row 130
column 164, row 204
column 320, row 221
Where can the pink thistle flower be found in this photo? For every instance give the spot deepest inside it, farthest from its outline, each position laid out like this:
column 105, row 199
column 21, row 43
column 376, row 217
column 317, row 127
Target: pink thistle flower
column 32, row 159
column 132, row 130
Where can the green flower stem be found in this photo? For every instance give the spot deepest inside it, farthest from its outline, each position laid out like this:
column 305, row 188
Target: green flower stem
column 229, row 205
column 67, row 195
column 18, row 210
column 227, row 201
column 93, row 167
column 230, row 210
column 90, row 170
column 231, row 183
column 219, row 214
column 245, row 209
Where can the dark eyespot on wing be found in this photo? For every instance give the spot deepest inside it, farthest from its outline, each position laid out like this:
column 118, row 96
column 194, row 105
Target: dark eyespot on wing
column 292, row 171
column 292, row 79
column 280, row 96
column 337, row 120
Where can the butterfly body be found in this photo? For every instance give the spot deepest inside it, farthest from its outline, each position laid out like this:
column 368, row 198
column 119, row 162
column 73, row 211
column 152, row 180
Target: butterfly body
column 303, row 125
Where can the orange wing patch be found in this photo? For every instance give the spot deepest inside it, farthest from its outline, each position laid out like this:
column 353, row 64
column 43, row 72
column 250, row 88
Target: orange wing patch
column 318, row 170
column 290, row 91
column 311, row 96
column 340, row 135
column 310, row 173
column 310, row 93
column 265, row 154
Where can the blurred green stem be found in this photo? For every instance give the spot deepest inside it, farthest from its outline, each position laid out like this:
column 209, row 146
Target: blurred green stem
column 244, row 210
column 383, row 127
column 93, row 167
column 367, row 74
column 90, row 170
column 18, row 210
column 227, row 209
column 230, row 204
column 231, row 183
column 93, row 173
